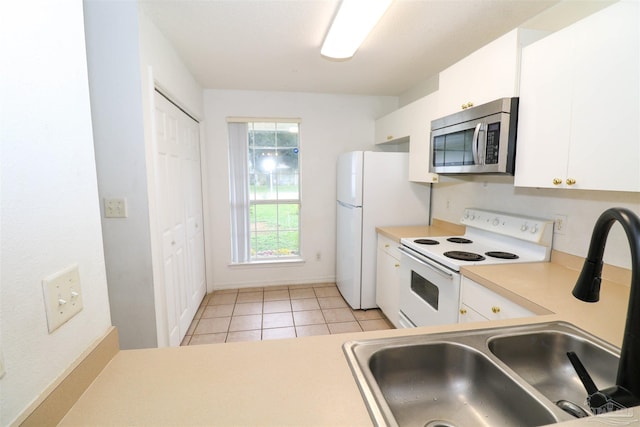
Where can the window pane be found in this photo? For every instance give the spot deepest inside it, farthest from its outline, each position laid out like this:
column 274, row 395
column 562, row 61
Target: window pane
column 276, row 230
column 265, row 217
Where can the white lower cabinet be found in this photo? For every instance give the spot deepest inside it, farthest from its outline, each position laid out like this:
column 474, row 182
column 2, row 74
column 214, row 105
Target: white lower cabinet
column 388, row 279
column 479, row 303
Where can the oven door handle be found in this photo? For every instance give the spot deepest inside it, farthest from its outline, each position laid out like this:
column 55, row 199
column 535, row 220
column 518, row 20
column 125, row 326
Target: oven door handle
column 424, row 261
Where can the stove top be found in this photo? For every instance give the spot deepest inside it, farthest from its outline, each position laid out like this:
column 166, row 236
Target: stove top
column 491, row 238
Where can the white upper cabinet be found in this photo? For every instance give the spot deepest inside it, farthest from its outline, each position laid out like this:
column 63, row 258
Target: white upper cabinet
column 411, row 123
column 579, row 124
column 392, row 128
column 489, row 73
column 421, row 113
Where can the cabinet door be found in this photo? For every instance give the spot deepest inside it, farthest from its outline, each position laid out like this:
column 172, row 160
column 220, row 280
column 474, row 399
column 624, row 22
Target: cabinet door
column 579, row 109
column 487, row 74
column 544, row 113
column 605, row 136
column 388, row 280
column 421, row 113
column 411, row 123
column 393, row 127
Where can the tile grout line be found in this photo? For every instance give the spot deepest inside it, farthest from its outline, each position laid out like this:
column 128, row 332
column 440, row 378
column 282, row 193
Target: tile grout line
column 295, row 327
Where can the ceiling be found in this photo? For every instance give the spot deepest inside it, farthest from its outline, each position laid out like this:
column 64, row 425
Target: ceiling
column 275, row 44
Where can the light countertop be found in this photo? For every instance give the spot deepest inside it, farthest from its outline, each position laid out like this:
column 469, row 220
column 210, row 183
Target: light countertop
column 307, row 381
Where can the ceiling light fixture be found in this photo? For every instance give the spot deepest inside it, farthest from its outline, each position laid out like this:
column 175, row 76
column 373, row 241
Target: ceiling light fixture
column 352, row 24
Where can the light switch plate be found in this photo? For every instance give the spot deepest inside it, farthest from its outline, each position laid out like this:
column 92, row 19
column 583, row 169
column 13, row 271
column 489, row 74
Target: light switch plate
column 62, row 296
column 115, row 208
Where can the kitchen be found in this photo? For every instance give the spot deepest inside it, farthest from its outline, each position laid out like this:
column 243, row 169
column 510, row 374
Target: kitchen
column 27, row 350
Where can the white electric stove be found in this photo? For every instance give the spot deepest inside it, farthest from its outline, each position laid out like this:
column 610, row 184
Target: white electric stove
column 430, row 290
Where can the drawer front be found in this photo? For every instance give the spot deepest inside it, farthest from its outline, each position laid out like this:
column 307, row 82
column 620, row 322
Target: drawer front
column 489, row 304
column 389, row 246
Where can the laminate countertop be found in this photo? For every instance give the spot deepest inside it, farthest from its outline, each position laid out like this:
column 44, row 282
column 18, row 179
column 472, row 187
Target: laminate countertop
column 307, row 381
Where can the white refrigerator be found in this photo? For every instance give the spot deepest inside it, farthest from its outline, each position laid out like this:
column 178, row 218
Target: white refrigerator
column 373, row 190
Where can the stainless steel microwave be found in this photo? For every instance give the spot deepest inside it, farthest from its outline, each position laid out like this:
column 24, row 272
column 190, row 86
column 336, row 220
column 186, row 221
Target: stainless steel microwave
column 477, row 140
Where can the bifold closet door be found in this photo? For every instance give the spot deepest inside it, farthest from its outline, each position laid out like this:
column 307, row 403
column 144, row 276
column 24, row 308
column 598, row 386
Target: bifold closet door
column 179, row 213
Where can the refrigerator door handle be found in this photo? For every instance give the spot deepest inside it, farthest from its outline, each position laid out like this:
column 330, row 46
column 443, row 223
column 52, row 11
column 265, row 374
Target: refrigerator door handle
column 347, row 205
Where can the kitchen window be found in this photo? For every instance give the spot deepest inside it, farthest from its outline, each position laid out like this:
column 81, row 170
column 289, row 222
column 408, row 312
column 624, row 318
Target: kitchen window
column 264, row 189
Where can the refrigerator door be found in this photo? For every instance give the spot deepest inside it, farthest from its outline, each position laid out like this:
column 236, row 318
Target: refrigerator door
column 348, row 252
column 349, row 178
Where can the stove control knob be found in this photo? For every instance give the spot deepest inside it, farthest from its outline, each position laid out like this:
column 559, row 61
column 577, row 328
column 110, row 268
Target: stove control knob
column 534, row 229
column 496, row 221
column 524, row 227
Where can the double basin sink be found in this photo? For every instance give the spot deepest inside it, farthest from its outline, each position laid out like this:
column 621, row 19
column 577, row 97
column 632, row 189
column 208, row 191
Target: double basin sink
column 509, row 376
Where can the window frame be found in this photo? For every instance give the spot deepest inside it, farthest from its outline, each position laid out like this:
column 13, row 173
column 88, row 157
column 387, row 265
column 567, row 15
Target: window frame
column 241, row 202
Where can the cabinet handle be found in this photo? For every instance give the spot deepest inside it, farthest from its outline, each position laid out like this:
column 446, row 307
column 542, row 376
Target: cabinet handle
column 495, row 309
column 463, row 311
column 571, row 181
column 467, row 105
column 389, row 137
column 386, row 245
column 397, row 265
column 557, row 181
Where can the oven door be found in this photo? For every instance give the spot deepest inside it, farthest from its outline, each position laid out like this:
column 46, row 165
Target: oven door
column 429, row 293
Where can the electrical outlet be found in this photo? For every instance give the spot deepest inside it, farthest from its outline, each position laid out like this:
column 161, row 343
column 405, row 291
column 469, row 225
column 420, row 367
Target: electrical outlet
column 115, row 208
column 62, row 296
column 559, row 223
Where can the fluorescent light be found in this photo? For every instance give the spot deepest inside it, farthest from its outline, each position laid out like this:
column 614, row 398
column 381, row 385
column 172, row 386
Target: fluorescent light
column 352, row 24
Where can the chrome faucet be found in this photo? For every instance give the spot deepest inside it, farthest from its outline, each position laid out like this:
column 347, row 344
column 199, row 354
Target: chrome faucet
column 626, row 392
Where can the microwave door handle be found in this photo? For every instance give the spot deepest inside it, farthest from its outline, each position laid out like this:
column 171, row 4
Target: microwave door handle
column 474, row 144
column 482, row 144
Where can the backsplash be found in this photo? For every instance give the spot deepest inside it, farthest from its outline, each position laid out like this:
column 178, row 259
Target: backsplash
column 451, row 195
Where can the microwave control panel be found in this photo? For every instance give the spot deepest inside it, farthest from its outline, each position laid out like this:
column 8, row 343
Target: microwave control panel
column 493, row 143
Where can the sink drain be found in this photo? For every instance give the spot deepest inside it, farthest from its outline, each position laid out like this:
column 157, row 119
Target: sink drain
column 439, row 423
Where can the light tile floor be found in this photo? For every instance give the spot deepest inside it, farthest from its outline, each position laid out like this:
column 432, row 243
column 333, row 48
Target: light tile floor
column 256, row 314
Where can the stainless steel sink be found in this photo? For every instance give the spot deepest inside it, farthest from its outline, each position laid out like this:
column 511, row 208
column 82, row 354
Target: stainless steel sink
column 540, row 359
column 491, row 377
column 421, row 383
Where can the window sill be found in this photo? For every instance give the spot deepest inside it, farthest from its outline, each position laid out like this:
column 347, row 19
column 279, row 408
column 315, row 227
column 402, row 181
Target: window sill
column 269, row 263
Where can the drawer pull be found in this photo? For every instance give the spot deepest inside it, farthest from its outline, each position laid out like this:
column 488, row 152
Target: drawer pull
column 495, row 309
column 463, row 311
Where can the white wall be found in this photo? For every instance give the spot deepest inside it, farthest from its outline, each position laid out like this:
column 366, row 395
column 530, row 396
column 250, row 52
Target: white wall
column 161, row 65
column 331, row 124
column 127, row 57
column 582, row 208
column 50, row 216
column 116, row 103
